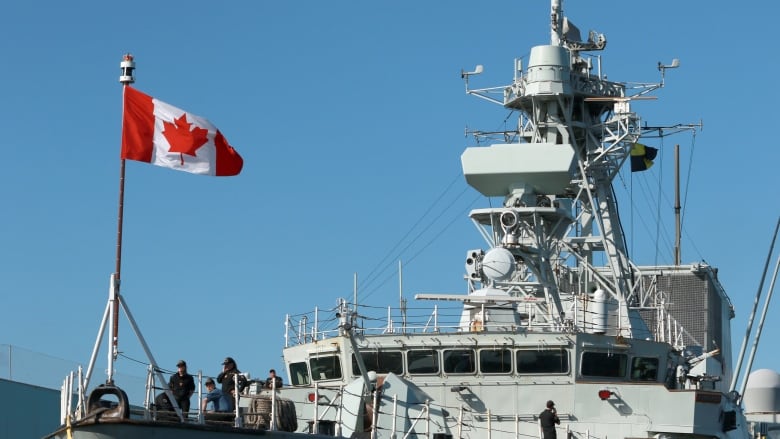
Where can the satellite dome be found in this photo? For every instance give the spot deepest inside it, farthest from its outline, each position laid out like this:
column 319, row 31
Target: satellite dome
column 762, row 393
column 498, row 264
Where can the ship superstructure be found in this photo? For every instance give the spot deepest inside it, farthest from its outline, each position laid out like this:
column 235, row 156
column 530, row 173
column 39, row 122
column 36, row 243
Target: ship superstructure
column 556, row 309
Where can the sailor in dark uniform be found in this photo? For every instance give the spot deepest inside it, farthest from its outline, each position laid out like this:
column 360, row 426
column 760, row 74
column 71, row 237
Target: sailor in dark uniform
column 182, row 385
column 226, row 378
column 548, row 419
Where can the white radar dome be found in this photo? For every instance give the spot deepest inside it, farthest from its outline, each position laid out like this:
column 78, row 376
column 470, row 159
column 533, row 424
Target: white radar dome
column 762, row 393
column 498, row 264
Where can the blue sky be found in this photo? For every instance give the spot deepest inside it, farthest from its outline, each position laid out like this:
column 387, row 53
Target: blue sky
column 350, row 117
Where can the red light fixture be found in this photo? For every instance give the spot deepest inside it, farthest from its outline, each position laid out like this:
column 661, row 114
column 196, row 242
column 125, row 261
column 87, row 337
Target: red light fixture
column 605, row 394
column 311, row 397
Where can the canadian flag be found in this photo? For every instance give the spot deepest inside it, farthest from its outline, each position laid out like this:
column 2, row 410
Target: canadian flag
column 163, row 135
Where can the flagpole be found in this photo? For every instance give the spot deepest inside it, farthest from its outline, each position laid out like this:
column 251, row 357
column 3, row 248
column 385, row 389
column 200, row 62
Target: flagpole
column 127, row 65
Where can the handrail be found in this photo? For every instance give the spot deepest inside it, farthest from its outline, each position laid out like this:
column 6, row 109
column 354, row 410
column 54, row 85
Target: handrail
column 449, row 320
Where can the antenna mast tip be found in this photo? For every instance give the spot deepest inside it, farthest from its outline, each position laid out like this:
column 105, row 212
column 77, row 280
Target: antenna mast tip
column 127, row 65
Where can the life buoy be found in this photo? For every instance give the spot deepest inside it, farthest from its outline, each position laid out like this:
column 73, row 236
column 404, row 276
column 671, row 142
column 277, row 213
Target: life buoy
column 99, row 407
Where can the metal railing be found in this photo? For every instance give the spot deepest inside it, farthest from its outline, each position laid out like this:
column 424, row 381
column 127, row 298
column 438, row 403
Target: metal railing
column 74, row 401
column 435, row 320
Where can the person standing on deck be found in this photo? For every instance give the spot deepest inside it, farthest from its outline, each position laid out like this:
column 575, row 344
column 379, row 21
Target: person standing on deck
column 226, row 378
column 548, row 419
column 182, row 385
column 273, row 381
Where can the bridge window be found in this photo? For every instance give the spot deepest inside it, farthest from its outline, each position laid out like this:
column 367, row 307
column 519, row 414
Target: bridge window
column 422, row 361
column 459, row 361
column 299, row 374
column 495, row 361
column 644, row 369
column 380, row 362
column 542, row 361
column 325, row 368
column 603, row 364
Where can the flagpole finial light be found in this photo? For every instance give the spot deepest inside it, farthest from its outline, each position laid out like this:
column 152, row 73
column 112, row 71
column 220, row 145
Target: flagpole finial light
column 127, row 65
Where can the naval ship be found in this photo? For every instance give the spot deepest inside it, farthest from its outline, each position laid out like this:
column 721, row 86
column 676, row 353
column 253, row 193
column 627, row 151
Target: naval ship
column 554, row 309
column 624, row 351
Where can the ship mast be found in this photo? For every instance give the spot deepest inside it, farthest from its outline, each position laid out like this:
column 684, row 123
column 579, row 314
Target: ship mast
column 575, row 131
column 677, row 225
column 556, row 12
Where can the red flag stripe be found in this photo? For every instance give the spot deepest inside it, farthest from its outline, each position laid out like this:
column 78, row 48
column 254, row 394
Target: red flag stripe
column 228, row 161
column 137, row 126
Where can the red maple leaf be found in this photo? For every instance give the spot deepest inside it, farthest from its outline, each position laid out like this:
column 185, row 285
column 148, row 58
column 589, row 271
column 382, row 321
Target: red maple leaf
column 181, row 139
